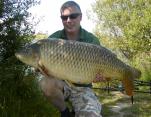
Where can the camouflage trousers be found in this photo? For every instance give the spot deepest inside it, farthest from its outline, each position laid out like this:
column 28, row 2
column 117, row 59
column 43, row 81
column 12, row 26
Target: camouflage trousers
column 84, row 101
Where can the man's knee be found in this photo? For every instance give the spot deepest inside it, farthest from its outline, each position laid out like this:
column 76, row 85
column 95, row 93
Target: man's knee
column 50, row 86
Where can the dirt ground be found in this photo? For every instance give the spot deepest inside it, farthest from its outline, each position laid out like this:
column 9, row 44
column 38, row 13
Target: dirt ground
column 117, row 104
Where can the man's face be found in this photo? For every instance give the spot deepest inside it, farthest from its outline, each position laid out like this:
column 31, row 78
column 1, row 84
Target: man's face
column 71, row 18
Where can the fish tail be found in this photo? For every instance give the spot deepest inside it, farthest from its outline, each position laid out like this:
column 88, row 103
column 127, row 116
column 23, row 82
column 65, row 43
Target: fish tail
column 128, row 85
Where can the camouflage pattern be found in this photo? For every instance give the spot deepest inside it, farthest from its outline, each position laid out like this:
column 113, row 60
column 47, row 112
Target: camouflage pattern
column 84, row 101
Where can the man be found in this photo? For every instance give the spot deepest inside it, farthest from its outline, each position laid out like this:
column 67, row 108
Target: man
column 84, row 101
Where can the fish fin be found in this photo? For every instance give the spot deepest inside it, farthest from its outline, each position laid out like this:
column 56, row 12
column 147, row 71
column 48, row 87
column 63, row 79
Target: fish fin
column 69, row 83
column 128, row 85
column 72, row 86
column 44, row 70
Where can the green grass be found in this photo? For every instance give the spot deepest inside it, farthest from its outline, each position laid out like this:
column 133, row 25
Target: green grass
column 140, row 108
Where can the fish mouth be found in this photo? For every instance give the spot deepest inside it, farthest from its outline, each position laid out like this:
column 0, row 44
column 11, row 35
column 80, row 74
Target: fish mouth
column 19, row 56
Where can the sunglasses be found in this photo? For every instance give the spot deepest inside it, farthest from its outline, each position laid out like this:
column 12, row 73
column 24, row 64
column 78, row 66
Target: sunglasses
column 71, row 16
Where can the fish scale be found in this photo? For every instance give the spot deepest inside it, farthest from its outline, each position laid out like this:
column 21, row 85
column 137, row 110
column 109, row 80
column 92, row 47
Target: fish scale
column 78, row 54
column 78, row 62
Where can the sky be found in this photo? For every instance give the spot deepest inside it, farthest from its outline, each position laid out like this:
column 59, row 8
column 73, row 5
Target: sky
column 49, row 14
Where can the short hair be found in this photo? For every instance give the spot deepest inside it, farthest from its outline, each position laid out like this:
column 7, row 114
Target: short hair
column 69, row 4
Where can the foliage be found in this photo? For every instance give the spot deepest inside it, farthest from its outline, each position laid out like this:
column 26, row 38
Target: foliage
column 19, row 92
column 126, row 21
column 41, row 36
column 125, row 26
column 14, row 27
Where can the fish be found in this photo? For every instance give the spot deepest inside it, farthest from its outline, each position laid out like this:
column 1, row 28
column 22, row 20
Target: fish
column 77, row 62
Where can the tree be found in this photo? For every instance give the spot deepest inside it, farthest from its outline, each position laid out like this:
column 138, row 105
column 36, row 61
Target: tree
column 18, row 91
column 127, row 22
column 41, row 36
column 14, row 28
column 125, row 25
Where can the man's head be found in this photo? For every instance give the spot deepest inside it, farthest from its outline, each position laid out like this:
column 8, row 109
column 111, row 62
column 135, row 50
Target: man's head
column 71, row 16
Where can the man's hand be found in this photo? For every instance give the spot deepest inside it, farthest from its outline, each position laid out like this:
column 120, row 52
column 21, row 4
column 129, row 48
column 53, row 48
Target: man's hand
column 99, row 78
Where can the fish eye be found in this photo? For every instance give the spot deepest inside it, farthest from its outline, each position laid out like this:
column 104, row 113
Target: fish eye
column 28, row 50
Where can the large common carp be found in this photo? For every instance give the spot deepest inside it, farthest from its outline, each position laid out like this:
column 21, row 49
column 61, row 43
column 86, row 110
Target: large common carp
column 77, row 62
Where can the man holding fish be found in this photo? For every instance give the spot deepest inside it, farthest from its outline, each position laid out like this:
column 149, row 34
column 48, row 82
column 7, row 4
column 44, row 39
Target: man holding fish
column 71, row 59
column 84, row 101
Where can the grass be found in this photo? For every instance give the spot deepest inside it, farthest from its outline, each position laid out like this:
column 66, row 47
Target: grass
column 35, row 105
column 140, row 108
